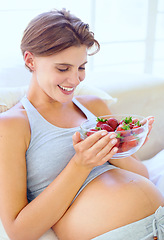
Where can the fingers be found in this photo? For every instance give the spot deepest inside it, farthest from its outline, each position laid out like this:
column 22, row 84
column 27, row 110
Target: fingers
column 104, row 145
column 92, row 139
column 104, row 149
column 107, row 151
column 108, row 156
column 96, row 149
column 76, row 138
column 150, row 125
column 150, row 120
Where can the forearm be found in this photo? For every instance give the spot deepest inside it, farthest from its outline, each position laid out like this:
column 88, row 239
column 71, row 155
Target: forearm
column 44, row 211
column 131, row 163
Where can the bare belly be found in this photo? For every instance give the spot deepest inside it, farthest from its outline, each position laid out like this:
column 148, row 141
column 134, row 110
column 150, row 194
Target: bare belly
column 114, row 199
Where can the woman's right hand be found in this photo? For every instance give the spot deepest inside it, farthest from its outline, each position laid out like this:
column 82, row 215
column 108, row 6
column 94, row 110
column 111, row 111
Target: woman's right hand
column 95, row 150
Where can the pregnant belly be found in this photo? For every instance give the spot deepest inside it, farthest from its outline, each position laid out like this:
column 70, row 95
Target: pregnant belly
column 113, row 199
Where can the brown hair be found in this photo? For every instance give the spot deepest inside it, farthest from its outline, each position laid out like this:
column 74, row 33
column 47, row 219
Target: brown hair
column 54, row 31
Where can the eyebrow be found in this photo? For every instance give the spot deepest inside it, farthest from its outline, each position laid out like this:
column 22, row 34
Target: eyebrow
column 68, row 64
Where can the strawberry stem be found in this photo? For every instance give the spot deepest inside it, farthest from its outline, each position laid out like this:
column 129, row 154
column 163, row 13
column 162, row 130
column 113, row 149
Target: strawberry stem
column 101, row 119
column 128, row 120
column 119, row 135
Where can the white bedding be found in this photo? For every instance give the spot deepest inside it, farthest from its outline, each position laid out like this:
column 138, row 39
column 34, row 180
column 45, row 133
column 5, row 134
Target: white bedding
column 155, row 168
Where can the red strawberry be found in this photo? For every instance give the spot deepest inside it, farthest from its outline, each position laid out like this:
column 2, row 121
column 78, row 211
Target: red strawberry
column 125, row 134
column 137, row 129
column 135, row 126
column 121, row 122
column 131, row 125
column 91, row 131
column 123, row 127
column 120, row 148
column 99, row 123
column 129, row 143
column 112, row 122
column 120, row 127
column 106, row 127
column 118, row 143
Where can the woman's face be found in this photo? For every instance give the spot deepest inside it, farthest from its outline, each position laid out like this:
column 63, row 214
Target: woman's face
column 58, row 75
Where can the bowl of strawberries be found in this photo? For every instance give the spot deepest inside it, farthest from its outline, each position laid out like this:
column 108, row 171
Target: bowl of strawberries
column 131, row 131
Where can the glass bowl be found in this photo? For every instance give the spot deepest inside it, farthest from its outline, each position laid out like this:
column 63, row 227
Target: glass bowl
column 131, row 131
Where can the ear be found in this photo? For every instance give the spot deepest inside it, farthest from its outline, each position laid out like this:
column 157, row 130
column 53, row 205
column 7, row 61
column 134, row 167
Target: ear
column 29, row 60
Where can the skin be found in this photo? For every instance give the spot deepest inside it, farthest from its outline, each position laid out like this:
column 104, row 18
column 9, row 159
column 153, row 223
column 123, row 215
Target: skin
column 100, row 199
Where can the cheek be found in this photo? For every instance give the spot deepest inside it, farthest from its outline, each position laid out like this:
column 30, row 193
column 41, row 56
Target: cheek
column 45, row 77
column 41, row 78
column 57, row 79
column 44, row 80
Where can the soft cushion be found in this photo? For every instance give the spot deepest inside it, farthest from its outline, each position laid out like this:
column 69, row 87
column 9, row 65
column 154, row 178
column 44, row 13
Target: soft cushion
column 10, row 96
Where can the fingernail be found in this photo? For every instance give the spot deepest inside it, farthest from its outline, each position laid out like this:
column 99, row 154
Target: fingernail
column 115, row 149
column 103, row 133
column 112, row 136
column 114, row 141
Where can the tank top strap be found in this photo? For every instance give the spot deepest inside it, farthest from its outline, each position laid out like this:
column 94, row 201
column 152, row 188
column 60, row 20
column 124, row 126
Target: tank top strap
column 83, row 109
column 35, row 118
column 30, row 109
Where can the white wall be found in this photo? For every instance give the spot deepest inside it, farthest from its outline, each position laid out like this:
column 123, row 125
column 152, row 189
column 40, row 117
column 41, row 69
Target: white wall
column 131, row 32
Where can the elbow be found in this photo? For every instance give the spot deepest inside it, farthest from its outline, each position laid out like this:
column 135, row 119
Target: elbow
column 146, row 173
column 18, row 234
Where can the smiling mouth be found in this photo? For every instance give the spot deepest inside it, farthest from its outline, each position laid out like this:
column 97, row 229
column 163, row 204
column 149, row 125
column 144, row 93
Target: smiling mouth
column 66, row 88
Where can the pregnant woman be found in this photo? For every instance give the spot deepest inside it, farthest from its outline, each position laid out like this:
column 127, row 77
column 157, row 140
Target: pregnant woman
column 49, row 176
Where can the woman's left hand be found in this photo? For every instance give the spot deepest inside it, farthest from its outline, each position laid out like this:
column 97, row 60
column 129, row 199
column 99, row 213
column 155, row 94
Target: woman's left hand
column 150, row 125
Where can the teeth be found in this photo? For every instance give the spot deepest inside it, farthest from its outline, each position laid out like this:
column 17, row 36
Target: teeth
column 66, row 89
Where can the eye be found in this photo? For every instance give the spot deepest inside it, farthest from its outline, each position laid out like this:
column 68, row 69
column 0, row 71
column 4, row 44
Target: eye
column 62, row 69
column 82, row 68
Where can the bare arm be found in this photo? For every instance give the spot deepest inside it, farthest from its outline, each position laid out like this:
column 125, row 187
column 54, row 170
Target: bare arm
column 19, row 216
column 132, row 164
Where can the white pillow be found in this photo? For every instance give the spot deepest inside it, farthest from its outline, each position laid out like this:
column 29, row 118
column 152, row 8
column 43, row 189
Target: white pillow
column 10, row 96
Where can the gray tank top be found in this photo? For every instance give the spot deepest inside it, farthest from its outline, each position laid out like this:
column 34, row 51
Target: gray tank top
column 50, row 150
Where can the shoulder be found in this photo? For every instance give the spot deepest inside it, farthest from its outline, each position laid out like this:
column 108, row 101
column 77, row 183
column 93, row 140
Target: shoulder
column 94, row 104
column 15, row 115
column 14, row 124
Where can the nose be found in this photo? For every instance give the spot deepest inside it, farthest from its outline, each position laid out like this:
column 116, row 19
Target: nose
column 74, row 78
